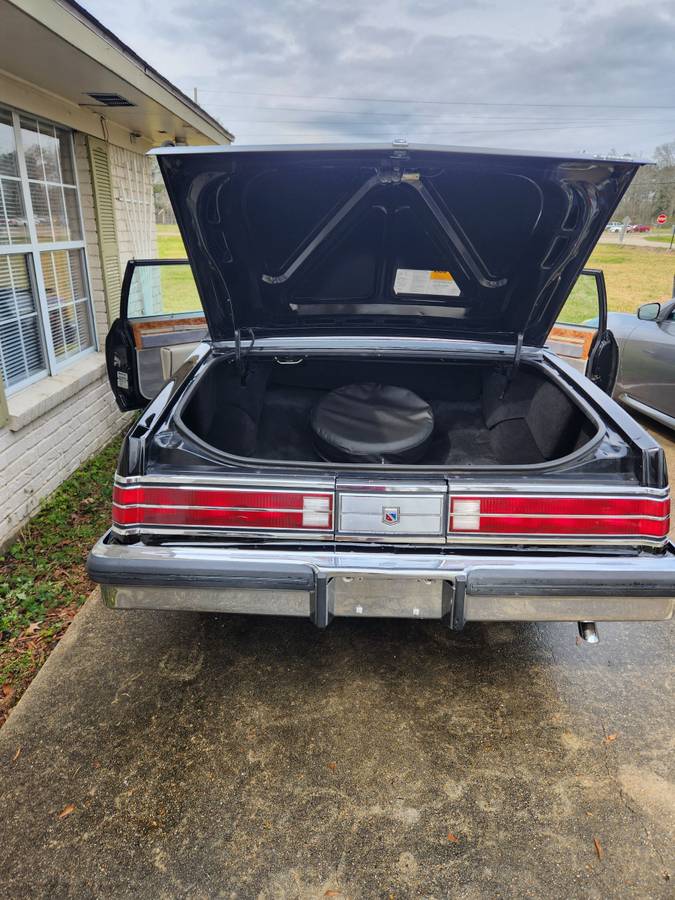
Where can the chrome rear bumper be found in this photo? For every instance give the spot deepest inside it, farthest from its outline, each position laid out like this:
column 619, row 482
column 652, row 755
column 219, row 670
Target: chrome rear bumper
column 324, row 584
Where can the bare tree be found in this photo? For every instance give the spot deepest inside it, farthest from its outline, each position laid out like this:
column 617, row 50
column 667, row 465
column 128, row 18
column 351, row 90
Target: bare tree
column 653, row 189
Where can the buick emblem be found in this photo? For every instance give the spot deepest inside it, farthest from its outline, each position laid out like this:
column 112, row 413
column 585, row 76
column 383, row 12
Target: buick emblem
column 391, row 515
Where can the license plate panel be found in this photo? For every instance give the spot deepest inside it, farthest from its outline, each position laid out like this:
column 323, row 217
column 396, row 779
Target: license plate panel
column 381, row 596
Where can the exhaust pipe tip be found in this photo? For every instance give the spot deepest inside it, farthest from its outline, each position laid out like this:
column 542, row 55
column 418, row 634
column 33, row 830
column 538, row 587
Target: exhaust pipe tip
column 589, row 632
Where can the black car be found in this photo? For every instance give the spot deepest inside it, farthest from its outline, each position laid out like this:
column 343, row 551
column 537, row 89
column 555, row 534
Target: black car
column 365, row 420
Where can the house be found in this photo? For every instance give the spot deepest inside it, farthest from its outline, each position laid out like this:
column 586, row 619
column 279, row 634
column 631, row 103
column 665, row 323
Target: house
column 78, row 111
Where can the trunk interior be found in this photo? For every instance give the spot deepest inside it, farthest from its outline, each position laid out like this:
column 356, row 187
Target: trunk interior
column 479, row 417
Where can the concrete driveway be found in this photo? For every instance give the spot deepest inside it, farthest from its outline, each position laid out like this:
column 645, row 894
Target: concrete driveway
column 182, row 755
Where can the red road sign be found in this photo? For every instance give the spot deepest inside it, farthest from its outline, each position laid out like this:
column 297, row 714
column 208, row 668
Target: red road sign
column 662, row 218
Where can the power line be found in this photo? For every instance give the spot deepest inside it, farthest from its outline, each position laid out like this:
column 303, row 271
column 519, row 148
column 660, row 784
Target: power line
column 434, row 118
column 403, row 124
column 439, row 102
column 316, row 128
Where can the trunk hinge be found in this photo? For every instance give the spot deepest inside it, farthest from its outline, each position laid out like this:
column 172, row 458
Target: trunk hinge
column 514, row 365
column 241, row 359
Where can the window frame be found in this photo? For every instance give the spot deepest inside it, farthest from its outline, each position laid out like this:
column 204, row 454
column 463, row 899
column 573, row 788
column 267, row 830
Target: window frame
column 33, row 250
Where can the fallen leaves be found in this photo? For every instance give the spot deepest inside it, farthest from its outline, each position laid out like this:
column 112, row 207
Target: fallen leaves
column 27, row 651
column 17, row 754
column 610, row 738
column 332, row 766
column 43, row 575
column 598, row 848
column 67, row 810
column 453, row 838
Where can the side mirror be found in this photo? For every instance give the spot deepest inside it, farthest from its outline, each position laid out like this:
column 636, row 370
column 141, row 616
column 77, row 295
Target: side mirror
column 649, row 312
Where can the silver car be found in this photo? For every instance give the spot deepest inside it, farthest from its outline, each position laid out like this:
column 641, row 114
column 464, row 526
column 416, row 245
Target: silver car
column 646, row 378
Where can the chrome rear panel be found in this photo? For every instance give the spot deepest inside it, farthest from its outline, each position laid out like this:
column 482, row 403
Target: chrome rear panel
column 395, row 515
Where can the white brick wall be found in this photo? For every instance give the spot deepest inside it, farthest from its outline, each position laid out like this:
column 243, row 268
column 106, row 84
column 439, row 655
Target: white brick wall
column 134, row 217
column 134, row 204
column 37, row 458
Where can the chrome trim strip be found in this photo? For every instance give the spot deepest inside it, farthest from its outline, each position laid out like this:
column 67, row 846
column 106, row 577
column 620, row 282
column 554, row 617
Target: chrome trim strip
column 391, row 486
column 336, row 560
column 563, row 492
column 409, row 538
column 272, row 509
column 147, row 527
column 380, row 344
column 270, row 483
column 457, row 486
column 597, row 540
column 519, row 515
column 647, row 410
column 464, row 540
column 558, row 490
column 225, row 532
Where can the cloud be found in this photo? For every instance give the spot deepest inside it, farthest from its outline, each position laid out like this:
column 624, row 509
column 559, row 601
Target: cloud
column 271, row 70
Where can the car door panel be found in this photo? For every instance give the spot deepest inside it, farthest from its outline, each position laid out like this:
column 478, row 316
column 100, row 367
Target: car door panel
column 581, row 336
column 648, row 364
column 158, row 311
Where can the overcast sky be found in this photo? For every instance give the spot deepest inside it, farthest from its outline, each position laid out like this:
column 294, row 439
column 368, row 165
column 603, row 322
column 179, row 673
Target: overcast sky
column 587, row 76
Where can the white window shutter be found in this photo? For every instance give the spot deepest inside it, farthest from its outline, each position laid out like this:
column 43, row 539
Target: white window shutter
column 104, row 204
column 4, row 412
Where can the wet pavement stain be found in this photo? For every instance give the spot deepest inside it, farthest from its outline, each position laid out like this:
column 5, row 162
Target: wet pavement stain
column 248, row 757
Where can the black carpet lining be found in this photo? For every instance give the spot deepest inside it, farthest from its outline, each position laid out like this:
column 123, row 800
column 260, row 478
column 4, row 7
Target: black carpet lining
column 479, row 419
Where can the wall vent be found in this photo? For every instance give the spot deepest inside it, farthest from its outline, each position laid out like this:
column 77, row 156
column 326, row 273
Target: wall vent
column 110, row 99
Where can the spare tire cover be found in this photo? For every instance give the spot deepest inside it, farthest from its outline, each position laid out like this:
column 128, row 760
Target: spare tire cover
column 372, row 423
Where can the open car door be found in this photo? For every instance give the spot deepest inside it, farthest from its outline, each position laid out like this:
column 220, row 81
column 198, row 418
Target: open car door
column 581, row 337
column 161, row 321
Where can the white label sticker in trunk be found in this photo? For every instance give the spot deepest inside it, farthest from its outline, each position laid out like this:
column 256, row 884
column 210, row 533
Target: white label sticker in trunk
column 426, row 282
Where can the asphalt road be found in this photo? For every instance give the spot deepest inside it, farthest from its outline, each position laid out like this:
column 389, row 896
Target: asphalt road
column 182, row 755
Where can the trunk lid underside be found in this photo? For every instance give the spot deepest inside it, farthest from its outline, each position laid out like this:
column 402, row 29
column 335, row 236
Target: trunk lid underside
column 460, row 243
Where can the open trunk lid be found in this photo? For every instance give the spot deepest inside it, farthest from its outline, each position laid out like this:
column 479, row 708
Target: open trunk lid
column 460, row 243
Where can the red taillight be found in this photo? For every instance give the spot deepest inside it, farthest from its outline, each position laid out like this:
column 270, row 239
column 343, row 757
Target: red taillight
column 141, row 505
column 523, row 515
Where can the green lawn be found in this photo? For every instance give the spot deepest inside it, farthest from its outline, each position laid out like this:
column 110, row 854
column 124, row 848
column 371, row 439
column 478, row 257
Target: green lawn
column 582, row 303
column 43, row 580
column 661, row 238
column 179, row 293
column 170, row 243
column 634, row 275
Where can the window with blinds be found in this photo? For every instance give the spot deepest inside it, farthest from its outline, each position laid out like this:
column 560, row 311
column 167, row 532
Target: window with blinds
column 69, row 318
column 21, row 352
column 45, row 307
